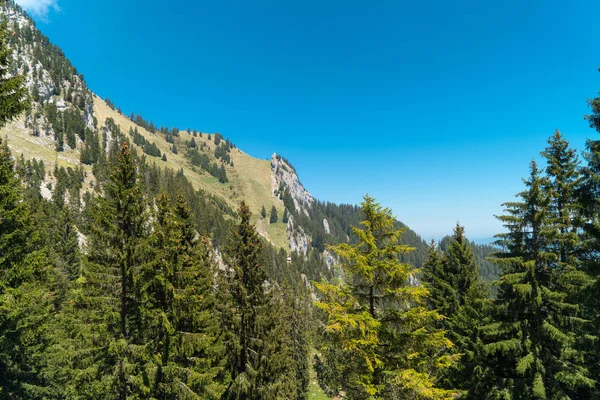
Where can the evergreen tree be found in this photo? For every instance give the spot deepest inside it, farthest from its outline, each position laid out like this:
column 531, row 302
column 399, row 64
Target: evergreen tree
column 273, row 217
column 286, row 216
column 103, row 320
column 222, row 174
column 254, row 347
column 589, row 198
column 59, row 136
column 563, row 174
column 465, row 316
column 26, row 299
column 263, row 212
column 26, row 295
column 181, row 333
column 383, row 337
column 442, row 294
column 532, row 343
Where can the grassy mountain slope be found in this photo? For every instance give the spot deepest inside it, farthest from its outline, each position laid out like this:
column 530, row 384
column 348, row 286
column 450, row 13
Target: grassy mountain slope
column 63, row 107
column 249, row 178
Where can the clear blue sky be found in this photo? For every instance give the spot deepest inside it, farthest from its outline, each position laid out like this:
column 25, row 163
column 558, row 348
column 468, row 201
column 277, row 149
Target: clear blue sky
column 434, row 108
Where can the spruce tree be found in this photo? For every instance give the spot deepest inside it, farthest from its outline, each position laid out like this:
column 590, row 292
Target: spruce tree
column 589, row 199
column 463, row 323
column 563, row 181
column 26, row 293
column 247, row 297
column 380, row 336
column 273, row 217
column 103, row 321
column 531, row 344
column 26, row 298
column 286, row 216
column 442, row 294
column 177, row 298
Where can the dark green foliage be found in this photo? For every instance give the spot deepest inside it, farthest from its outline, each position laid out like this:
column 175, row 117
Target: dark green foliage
column 286, row 216
column 100, row 300
column 259, row 357
column 273, row 217
column 103, row 323
column 532, row 345
column 26, row 297
column 177, row 296
column 202, row 160
column 263, row 212
column 151, row 149
column 59, row 136
column 222, row 174
column 222, row 152
column 488, row 271
column 91, row 151
column 456, row 292
column 140, row 121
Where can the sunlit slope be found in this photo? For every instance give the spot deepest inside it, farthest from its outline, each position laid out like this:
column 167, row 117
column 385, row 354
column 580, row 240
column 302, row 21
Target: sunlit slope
column 249, row 178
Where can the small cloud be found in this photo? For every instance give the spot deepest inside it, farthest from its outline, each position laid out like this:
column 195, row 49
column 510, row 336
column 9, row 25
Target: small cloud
column 39, row 8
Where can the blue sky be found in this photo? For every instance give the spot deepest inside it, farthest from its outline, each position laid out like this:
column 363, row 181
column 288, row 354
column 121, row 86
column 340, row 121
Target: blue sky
column 434, row 108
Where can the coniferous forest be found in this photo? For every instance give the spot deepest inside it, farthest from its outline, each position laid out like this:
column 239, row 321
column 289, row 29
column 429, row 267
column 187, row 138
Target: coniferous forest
column 143, row 287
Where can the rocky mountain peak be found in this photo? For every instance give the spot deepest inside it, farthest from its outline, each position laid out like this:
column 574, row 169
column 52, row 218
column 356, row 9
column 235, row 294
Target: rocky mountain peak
column 286, row 184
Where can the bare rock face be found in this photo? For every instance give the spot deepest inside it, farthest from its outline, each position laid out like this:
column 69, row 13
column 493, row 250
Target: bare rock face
column 31, row 58
column 330, row 259
column 296, row 237
column 284, row 178
column 326, row 226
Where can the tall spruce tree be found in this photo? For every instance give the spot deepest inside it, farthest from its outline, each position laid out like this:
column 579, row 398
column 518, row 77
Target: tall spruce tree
column 562, row 183
column 380, row 335
column 26, row 298
column 26, row 293
column 181, row 332
column 442, row 295
column 589, row 199
column 250, row 318
column 531, row 344
column 103, row 318
column 465, row 315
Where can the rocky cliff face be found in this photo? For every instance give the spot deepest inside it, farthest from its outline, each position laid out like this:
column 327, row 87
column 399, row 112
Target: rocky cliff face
column 284, row 179
column 286, row 185
column 297, row 238
column 49, row 76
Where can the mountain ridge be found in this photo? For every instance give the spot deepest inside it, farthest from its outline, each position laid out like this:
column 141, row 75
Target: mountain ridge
column 68, row 122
